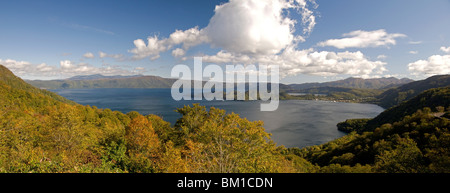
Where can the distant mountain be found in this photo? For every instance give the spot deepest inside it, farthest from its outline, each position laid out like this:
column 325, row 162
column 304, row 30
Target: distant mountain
column 140, row 81
column 99, row 76
column 374, row 83
column 395, row 96
column 100, row 81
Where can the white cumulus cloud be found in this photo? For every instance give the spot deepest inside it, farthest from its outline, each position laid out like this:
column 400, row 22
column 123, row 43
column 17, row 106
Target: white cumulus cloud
column 155, row 46
column 178, row 52
column 119, row 57
column 445, row 49
column 363, row 39
column 264, row 32
column 66, row 68
column 323, row 63
column 88, row 55
column 238, row 26
column 252, row 26
column 436, row 64
column 382, row 56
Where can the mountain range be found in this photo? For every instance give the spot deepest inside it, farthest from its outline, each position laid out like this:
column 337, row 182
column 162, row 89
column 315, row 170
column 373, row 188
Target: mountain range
column 386, row 92
column 360, row 83
column 100, row 76
column 140, row 81
column 100, row 81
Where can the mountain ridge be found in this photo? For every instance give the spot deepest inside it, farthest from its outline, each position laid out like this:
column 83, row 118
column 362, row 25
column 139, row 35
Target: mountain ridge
column 395, row 96
column 149, row 81
column 108, row 82
column 100, row 76
column 353, row 82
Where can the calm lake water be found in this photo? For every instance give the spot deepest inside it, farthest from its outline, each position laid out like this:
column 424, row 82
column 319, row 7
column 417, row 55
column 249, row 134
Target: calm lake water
column 296, row 123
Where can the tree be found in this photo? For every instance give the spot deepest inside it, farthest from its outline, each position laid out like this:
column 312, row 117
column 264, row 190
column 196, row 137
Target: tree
column 227, row 143
column 143, row 146
column 406, row 157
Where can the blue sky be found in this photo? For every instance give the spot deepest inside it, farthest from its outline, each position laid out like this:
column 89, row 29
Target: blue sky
column 312, row 41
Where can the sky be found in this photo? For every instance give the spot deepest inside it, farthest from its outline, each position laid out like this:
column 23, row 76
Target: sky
column 310, row 40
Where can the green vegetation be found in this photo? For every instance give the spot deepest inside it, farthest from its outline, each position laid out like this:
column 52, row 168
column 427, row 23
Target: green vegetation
column 432, row 98
column 358, row 83
column 395, row 141
column 405, row 92
column 348, row 90
column 386, row 92
column 43, row 132
column 351, row 125
column 334, row 94
column 417, row 143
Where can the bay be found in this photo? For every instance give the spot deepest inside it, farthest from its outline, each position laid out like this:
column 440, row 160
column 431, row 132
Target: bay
column 296, row 123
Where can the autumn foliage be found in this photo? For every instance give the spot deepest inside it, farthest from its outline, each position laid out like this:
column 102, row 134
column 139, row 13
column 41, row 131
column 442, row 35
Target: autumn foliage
column 43, row 132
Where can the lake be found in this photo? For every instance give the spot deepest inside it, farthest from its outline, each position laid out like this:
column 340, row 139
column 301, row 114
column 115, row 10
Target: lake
column 296, row 123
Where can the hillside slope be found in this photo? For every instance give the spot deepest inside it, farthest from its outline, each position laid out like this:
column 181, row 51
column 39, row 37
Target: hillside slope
column 431, row 98
column 8, row 78
column 360, row 83
column 405, row 92
column 412, row 137
column 42, row 132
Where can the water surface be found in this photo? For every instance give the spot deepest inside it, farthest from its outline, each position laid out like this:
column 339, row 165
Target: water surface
column 296, row 123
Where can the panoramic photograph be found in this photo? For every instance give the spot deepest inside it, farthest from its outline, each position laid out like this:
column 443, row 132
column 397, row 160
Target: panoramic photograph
column 225, row 86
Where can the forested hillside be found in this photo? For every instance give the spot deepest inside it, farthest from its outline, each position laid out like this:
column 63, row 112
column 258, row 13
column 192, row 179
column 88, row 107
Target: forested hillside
column 433, row 98
column 405, row 92
column 347, row 90
column 358, row 83
column 43, row 132
column 413, row 137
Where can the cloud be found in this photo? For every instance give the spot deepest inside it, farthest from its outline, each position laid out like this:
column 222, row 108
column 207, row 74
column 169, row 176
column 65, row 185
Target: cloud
column 79, row 27
column 155, row 46
column 18, row 67
column 363, row 39
column 119, row 57
column 89, row 55
column 264, row 32
column 187, row 38
column 24, row 68
column 413, row 52
column 436, row 64
column 322, row 63
column 382, row 56
column 139, row 70
column 44, row 67
column 253, row 26
column 178, row 52
column 445, row 49
column 415, row 42
column 239, row 26
column 70, row 68
column 65, row 69
column 142, row 50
